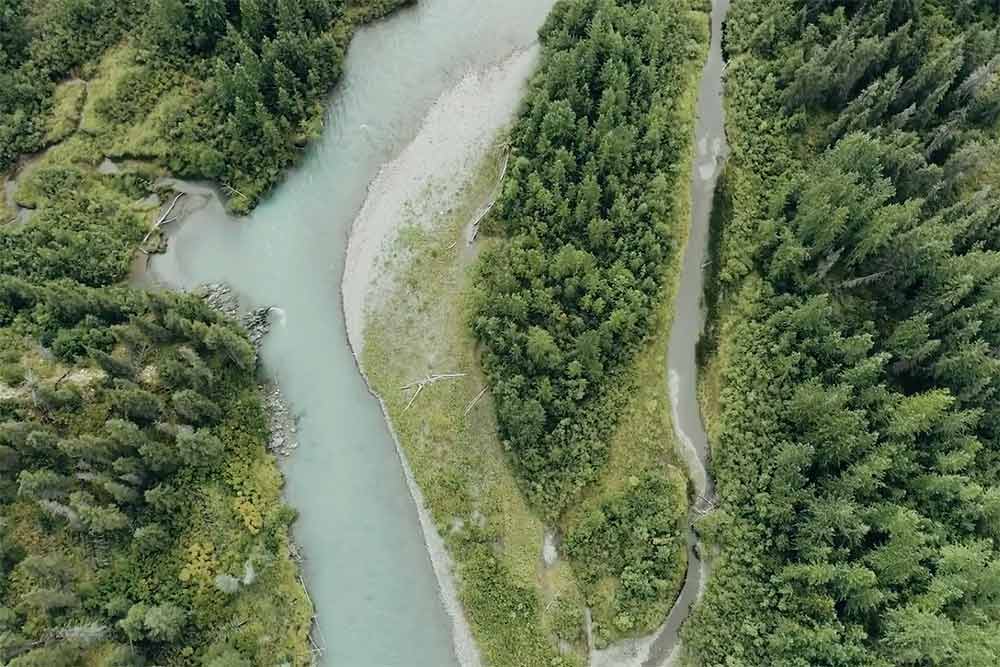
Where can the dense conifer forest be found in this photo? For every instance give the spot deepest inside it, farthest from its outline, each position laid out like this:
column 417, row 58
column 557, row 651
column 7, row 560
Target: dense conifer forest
column 587, row 211
column 856, row 328
column 588, row 221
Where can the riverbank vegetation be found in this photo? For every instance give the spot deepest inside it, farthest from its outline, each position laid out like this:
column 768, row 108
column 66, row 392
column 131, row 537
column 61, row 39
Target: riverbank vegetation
column 856, row 444
column 141, row 519
column 516, row 606
column 620, row 551
column 228, row 92
column 587, row 210
column 140, row 516
column 570, row 306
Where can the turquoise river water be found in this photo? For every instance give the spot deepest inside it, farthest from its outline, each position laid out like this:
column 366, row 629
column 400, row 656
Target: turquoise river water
column 366, row 567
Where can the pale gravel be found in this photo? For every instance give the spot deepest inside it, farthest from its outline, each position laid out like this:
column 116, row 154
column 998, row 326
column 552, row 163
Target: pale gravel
column 427, row 175
column 430, row 172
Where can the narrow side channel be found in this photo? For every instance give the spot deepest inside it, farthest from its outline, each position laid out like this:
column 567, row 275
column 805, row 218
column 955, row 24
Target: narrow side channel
column 689, row 320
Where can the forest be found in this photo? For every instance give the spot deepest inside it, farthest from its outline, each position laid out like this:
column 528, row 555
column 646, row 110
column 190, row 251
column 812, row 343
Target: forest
column 233, row 89
column 141, row 518
column 586, row 215
column 856, row 328
column 575, row 287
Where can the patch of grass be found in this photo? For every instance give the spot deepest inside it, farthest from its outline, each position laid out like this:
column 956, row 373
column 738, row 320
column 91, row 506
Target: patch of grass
column 709, row 388
column 131, row 105
column 516, row 607
column 147, row 138
column 67, row 105
column 6, row 215
column 86, row 225
column 644, row 443
column 116, row 65
column 711, row 355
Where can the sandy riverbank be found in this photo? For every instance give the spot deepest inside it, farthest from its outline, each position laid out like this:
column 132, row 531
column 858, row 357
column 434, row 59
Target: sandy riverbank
column 415, row 187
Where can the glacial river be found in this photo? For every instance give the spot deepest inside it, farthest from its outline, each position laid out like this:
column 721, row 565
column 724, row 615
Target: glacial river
column 366, row 567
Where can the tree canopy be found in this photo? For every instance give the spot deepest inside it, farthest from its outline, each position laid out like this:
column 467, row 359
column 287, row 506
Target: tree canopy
column 586, row 215
column 857, row 444
column 240, row 85
column 134, row 474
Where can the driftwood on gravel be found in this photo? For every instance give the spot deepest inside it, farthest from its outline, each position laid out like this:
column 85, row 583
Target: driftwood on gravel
column 163, row 220
column 489, row 207
column 430, row 379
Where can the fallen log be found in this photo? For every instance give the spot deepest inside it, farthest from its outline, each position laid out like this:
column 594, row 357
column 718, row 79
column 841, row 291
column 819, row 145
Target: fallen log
column 233, row 190
column 170, row 209
column 489, row 207
column 163, row 220
column 414, row 397
column 471, row 405
column 430, row 379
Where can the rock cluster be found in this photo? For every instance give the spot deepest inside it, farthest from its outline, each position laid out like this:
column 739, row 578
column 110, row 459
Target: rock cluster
column 257, row 323
column 281, row 422
column 220, row 296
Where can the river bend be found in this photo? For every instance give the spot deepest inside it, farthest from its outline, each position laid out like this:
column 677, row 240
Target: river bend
column 366, row 566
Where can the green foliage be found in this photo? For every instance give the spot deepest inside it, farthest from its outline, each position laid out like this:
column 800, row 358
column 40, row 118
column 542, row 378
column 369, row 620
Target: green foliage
column 194, row 408
column 136, row 404
column 225, row 656
column 496, row 600
column 857, row 439
column 245, row 80
column 131, row 436
column 633, row 539
column 81, row 231
column 121, row 486
column 586, row 210
column 134, row 622
column 40, row 43
column 231, row 345
column 164, row 622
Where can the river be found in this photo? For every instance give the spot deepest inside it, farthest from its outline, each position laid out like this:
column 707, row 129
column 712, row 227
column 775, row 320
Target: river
column 688, row 323
column 366, row 566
